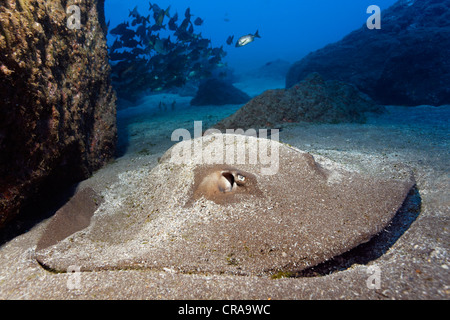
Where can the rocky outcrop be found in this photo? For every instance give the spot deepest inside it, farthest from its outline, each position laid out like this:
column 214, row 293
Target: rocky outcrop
column 217, row 92
column 311, row 100
column 404, row 63
column 57, row 107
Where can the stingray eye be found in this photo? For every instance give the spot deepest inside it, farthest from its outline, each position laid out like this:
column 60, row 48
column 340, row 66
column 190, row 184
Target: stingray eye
column 229, row 182
column 240, row 178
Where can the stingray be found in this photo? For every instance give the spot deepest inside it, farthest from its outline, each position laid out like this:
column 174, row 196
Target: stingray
column 231, row 217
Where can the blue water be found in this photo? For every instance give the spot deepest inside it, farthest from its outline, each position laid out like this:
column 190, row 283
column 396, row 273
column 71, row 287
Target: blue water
column 289, row 29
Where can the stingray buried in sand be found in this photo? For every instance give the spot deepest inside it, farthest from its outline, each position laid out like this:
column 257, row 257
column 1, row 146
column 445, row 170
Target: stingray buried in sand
column 219, row 218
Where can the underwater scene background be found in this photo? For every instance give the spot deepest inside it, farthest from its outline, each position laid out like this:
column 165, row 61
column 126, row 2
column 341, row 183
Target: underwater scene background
column 352, row 97
column 290, row 29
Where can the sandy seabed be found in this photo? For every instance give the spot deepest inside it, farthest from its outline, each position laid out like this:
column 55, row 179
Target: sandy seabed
column 416, row 266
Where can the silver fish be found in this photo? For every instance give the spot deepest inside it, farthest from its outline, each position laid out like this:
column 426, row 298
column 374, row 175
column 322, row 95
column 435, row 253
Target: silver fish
column 244, row 40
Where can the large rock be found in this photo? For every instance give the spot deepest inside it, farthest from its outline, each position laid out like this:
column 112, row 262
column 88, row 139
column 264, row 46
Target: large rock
column 246, row 217
column 311, row 100
column 404, row 63
column 217, row 92
column 57, row 107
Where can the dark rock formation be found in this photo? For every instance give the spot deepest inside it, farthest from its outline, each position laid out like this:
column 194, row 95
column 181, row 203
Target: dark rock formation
column 404, row 63
column 311, row 100
column 57, row 107
column 218, row 92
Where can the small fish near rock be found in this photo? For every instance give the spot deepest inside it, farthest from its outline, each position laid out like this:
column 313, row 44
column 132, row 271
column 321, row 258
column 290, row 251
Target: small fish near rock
column 198, row 22
column 230, row 40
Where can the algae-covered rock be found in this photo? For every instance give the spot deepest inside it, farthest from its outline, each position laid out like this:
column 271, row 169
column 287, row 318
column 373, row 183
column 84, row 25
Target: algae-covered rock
column 311, row 100
column 57, row 107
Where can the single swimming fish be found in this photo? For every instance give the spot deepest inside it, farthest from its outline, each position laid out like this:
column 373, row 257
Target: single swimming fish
column 244, row 40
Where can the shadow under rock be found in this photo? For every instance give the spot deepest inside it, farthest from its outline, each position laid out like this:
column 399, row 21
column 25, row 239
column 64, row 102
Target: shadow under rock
column 43, row 206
